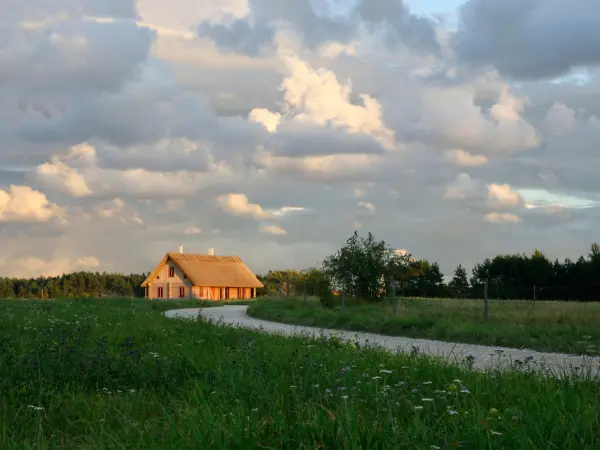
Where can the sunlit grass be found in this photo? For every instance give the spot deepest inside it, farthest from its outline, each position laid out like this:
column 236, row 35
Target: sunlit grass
column 547, row 326
column 118, row 374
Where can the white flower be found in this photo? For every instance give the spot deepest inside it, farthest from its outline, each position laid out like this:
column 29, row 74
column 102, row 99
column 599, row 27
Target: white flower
column 418, row 408
column 465, row 391
column 385, row 371
column 37, row 408
column 495, row 433
column 376, row 378
column 426, row 399
column 452, row 412
column 427, row 382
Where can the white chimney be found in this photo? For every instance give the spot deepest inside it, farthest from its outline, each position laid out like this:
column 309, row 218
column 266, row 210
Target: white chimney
column 181, row 249
column 211, row 251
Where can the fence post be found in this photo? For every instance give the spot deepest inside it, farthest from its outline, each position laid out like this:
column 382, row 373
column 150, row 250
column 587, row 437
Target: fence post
column 287, row 283
column 485, row 299
column 278, row 288
column 394, row 300
column 305, row 294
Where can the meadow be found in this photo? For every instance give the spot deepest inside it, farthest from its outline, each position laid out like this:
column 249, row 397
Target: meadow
column 117, row 374
column 569, row 327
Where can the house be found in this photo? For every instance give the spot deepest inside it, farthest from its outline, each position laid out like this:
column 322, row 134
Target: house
column 210, row 277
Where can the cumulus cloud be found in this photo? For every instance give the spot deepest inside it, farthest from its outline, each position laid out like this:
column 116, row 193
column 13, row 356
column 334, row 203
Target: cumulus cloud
column 148, row 131
column 239, row 205
column 275, row 230
column 502, row 218
column 23, row 204
column 521, row 39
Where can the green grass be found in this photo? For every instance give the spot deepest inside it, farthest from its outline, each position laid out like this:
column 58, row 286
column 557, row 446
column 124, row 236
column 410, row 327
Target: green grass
column 546, row 326
column 119, row 375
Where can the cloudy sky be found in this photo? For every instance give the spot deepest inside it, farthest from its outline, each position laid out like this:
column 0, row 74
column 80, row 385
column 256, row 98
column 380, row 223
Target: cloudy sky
column 272, row 129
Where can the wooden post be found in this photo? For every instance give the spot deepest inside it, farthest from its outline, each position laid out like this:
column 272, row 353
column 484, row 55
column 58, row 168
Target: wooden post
column 394, row 300
column 278, row 288
column 534, row 292
column 485, row 299
column 287, row 284
column 305, row 294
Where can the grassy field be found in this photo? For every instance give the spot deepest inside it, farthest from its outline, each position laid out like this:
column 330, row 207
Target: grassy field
column 119, row 375
column 547, row 326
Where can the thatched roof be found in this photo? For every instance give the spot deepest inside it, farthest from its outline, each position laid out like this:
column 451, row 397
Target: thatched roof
column 210, row 270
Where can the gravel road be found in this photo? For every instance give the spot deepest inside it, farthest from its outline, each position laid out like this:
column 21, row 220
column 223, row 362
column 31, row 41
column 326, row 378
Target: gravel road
column 483, row 356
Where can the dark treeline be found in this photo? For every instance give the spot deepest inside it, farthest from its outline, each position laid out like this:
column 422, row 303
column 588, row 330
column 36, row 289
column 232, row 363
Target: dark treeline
column 77, row 284
column 512, row 276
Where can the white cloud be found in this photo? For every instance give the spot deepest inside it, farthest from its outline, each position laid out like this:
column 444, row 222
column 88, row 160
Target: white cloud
column 192, row 230
column 465, row 159
column 502, row 195
column 502, row 218
column 239, row 205
column 367, row 205
column 23, row 204
column 275, row 230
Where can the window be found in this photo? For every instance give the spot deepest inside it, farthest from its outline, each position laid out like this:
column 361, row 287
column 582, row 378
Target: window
column 181, row 292
column 171, row 272
column 160, row 292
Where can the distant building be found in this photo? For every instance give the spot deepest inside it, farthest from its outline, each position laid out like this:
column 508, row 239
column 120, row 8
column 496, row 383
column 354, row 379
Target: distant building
column 200, row 276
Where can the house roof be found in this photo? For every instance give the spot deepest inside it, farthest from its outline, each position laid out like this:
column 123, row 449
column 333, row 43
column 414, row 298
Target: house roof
column 210, row 270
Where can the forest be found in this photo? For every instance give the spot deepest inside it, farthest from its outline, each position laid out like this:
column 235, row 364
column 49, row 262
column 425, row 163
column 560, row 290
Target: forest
column 511, row 276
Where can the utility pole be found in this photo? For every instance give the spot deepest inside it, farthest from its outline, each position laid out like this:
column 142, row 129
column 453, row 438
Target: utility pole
column 485, row 297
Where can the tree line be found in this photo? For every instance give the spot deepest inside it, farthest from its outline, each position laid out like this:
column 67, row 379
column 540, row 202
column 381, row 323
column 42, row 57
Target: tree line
column 370, row 269
column 77, row 284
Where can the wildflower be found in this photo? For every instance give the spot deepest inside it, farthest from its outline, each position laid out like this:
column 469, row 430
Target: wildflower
column 315, row 385
column 457, row 381
column 493, row 411
column 418, row 407
column 327, row 391
column 414, row 390
column 345, row 397
column 254, row 409
column 376, row 378
column 37, row 408
column 293, row 386
column 435, row 447
column 452, row 412
column 427, row 382
column 465, row 391
column 495, row 433
column 385, row 371
column 426, row 399
column 453, row 388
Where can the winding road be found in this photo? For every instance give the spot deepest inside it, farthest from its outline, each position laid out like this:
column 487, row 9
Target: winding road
column 483, row 356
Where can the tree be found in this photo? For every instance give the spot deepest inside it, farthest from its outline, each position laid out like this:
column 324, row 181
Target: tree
column 362, row 267
column 459, row 282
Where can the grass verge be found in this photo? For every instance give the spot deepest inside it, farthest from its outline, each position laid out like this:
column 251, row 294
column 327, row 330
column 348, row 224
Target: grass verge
column 116, row 375
column 545, row 326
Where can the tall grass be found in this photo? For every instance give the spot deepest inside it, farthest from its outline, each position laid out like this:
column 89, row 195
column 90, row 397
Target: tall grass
column 119, row 375
column 546, row 326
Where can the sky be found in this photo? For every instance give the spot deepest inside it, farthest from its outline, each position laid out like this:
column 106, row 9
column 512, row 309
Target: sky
column 272, row 129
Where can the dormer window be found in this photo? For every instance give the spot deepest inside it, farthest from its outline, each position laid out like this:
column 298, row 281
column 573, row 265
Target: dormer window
column 171, row 272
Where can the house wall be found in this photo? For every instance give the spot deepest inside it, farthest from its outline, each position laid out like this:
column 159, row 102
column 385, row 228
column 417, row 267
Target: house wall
column 170, row 285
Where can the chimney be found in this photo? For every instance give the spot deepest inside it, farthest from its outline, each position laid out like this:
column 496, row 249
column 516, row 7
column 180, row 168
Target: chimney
column 181, row 249
column 211, row 251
